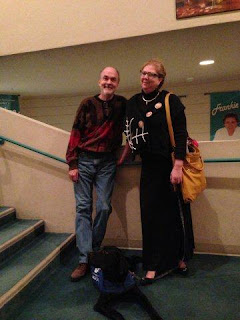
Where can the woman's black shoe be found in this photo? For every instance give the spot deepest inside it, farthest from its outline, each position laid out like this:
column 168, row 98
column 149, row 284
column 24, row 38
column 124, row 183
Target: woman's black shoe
column 146, row 281
column 159, row 275
column 182, row 271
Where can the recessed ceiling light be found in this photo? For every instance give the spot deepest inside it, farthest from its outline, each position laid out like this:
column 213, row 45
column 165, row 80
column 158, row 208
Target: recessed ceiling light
column 206, row 62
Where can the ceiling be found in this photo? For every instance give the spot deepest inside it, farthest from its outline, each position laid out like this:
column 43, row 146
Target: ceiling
column 74, row 70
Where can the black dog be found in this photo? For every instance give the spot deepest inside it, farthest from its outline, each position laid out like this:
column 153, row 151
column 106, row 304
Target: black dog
column 111, row 275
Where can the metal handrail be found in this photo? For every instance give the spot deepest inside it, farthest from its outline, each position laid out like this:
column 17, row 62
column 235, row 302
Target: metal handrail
column 46, row 154
column 2, row 139
column 222, row 160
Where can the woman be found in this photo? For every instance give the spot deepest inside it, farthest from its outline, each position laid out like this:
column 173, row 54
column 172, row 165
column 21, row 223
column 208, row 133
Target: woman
column 164, row 231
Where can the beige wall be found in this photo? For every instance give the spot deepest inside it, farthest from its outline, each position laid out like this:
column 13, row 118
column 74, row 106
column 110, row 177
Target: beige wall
column 216, row 216
column 39, row 188
column 39, row 25
column 60, row 111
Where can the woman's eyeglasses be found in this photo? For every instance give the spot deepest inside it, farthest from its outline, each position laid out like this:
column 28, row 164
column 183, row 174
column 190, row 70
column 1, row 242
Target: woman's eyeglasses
column 150, row 74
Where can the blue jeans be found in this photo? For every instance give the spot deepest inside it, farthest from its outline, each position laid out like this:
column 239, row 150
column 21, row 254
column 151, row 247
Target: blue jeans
column 99, row 171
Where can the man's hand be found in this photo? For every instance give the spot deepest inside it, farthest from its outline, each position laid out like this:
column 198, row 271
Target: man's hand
column 73, row 175
column 125, row 153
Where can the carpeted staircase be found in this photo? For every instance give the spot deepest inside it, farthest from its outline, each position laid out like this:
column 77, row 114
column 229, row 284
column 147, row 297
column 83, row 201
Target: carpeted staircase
column 28, row 256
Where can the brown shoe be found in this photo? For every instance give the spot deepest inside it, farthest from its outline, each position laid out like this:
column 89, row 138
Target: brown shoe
column 79, row 272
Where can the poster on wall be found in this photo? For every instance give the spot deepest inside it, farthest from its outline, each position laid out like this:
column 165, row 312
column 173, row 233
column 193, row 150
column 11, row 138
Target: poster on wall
column 192, row 8
column 225, row 115
column 10, row 102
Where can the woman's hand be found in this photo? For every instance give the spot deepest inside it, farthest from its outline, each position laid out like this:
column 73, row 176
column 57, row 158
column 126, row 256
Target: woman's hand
column 176, row 174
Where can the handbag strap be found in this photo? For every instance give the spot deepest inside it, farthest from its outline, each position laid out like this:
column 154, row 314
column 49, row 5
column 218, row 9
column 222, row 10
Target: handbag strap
column 169, row 123
column 169, row 120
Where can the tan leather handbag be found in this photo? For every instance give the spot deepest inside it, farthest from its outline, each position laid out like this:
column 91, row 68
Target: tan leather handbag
column 194, row 181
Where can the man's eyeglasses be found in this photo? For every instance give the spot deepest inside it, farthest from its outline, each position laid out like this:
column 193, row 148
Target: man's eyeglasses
column 150, row 74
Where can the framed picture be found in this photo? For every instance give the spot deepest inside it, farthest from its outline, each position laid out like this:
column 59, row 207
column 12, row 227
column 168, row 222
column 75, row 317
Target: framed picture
column 225, row 115
column 193, row 8
column 9, row 102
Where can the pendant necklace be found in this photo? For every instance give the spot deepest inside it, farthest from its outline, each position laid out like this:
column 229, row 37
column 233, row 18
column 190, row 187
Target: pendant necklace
column 147, row 101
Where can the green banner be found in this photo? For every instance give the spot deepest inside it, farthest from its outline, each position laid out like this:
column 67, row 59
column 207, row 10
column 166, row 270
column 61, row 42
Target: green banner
column 9, row 102
column 225, row 115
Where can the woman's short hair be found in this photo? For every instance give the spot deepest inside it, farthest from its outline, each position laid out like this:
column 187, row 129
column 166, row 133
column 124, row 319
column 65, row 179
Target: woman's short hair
column 159, row 68
column 231, row 115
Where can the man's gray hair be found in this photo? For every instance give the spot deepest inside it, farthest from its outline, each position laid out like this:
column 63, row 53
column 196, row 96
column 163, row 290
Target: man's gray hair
column 114, row 69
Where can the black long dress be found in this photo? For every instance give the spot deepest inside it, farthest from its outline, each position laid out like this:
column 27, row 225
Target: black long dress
column 166, row 220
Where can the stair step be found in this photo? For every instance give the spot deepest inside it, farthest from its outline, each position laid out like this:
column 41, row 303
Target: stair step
column 13, row 228
column 19, row 265
column 17, row 233
column 24, row 272
column 7, row 214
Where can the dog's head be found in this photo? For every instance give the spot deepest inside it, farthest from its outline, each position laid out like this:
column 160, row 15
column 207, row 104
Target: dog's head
column 112, row 262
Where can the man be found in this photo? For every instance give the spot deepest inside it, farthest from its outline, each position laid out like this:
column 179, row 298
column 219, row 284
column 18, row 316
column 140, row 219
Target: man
column 95, row 137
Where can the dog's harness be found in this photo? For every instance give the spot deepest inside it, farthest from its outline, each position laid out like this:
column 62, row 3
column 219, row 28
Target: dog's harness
column 106, row 286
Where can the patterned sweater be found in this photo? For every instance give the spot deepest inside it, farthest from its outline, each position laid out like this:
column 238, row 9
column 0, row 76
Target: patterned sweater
column 98, row 127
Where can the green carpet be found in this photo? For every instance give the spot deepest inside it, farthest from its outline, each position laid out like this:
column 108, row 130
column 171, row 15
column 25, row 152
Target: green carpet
column 210, row 292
